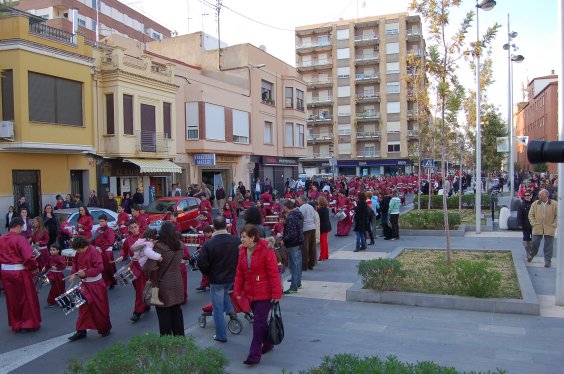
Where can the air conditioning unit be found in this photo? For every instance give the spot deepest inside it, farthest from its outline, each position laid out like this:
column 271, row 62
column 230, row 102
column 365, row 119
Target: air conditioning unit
column 7, row 130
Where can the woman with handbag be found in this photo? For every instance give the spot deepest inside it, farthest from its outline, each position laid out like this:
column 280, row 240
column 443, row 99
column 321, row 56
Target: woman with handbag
column 171, row 289
column 257, row 279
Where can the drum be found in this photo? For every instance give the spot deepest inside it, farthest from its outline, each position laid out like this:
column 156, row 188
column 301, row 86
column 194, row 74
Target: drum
column 41, row 280
column 191, row 239
column 124, row 276
column 341, row 215
column 71, row 300
column 35, row 249
column 193, row 261
column 271, row 220
column 68, row 256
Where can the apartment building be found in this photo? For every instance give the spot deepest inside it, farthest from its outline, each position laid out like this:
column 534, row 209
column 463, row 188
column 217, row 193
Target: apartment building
column 537, row 118
column 244, row 114
column 108, row 16
column 359, row 102
column 46, row 123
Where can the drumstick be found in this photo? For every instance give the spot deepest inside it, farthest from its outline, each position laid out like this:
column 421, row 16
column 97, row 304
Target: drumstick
column 65, row 278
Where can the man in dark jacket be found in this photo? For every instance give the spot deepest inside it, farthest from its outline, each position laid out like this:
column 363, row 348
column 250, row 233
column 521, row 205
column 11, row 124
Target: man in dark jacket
column 138, row 197
column 293, row 239
column 111, row 203
column 218, row 260
column 523, row 219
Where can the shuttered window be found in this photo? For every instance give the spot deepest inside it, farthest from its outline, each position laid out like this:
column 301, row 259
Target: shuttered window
column 7, row 83
column 128, row 114
column 110, row 124
column 54, row 100
column 167, row 127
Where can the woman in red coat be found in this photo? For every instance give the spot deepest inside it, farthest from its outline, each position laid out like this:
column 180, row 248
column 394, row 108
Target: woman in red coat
column 258, row 281
column 85, row 223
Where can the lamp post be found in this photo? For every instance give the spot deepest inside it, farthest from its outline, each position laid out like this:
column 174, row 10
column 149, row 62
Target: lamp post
column 486, row 5
column 510, row 60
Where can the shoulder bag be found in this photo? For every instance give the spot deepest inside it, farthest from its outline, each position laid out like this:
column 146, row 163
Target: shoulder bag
column 147, row 291
column 275, row 333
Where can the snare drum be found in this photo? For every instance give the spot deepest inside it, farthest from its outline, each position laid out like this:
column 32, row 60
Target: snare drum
column 124, row 276
column 41, row 280
column 35, row 249
column 68, row 256
column 191, row 239
column 71, row 300
column 271, row 220
column 341, row 215
column 193, row 261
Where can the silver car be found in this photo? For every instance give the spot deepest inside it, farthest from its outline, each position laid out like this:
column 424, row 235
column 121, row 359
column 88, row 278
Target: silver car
column 95, row 212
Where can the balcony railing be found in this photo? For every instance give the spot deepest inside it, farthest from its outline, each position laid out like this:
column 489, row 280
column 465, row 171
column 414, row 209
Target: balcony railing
column 368, row 154
column 412, row 113
column 317, row 156
column 320, row 138
column 365, row 38
column 368, row 134
column 367, row 98
column 325, row 43
column 320, row 82
column 52, row 33
column 368, row 115
column 316, row 101
column 412, row 133
column 367, row 58
column 148, row 141
column 314, row 64
column 321, row 118
column 366, row 77
column 413, row 34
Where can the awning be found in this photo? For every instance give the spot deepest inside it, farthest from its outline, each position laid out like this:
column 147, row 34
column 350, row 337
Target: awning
column 155, row 166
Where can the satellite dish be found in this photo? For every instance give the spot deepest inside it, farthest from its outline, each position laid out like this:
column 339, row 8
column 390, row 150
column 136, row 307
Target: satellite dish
column 262, row 47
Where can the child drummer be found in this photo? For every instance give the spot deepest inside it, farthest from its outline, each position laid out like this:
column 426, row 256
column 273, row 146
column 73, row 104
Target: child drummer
column 55, row 275
column 205, row 281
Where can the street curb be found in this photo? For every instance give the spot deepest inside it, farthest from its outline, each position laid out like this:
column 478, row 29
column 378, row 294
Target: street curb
column 529, row 304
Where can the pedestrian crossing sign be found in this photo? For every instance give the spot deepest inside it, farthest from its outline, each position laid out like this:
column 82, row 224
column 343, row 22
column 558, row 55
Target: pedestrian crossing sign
column 428, row 163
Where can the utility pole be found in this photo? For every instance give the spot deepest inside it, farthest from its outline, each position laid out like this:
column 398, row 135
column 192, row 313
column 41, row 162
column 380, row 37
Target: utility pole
column 559, row 294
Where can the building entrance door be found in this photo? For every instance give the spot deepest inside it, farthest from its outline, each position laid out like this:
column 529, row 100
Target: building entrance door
column 27, row 183
column 77, row 184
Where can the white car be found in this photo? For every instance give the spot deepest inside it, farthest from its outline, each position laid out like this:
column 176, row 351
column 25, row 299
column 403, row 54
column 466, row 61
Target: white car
column 95, row 212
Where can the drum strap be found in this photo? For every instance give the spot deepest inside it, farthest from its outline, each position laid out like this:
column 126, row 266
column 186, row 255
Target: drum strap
column 92, row 279
column 13, row 267
column 56, row 271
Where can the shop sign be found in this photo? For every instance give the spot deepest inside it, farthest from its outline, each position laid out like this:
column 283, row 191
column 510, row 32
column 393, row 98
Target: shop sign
column 226, row 159
column 204, row 159
column 268, row 160
column 104, row 179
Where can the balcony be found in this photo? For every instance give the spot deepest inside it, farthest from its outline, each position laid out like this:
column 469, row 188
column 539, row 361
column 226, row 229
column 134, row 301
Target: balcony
column 320, row 120
column 368, row 135
column 317, row 156
column 412, row 134
column 367, row 99
column 363, row 40
column 367, row 78
column 48, row 32
column 413, row 35
column 416, row 52
column 367, row 59
column 320, row 83
column 367, row 116
column 314, row 65
column 368, row 154
column 411, row 113
column 148, row 141
column 320, row 138
column 410, row 95
column 318, row 102
column 314, row 47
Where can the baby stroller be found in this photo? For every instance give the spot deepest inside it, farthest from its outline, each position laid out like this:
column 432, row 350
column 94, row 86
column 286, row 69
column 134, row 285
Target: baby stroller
column 234, row 325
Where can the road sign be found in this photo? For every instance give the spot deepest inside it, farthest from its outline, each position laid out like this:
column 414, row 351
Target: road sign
column 523, row 140
column 428, row 163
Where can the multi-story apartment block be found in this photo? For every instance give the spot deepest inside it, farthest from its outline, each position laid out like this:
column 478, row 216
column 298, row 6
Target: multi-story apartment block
column 358, row 99
column 537, row 118
column 46, row 128
column 109, row 17
column 244, row 114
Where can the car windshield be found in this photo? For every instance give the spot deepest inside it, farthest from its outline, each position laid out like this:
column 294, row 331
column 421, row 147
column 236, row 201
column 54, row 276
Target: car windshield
column 160, row 206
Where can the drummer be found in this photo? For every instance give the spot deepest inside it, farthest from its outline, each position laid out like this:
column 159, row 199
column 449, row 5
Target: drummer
column 55, row 275
column 17, row 264
column 104, row 238
column 95, row 313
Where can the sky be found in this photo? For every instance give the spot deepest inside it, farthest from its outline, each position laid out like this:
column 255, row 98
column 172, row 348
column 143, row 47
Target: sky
column 535, row 22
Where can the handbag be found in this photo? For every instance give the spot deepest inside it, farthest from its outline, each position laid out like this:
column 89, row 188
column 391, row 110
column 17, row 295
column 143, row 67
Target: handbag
column 275, row 333
column 147, row 291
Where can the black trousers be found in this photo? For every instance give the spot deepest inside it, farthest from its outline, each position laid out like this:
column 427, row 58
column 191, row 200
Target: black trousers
column 171, row 320
column 394, row 218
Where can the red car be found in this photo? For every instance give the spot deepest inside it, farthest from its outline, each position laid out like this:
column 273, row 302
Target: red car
column 187, row 207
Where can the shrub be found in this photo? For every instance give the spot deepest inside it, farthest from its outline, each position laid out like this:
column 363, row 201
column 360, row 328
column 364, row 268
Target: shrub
column 380, row 274
column 151, row 353
column 475, row 278
column 428, row 220
column 468, row 201
column 350, row 363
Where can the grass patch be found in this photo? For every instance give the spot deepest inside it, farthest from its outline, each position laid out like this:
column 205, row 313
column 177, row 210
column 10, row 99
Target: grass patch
column 426, row 271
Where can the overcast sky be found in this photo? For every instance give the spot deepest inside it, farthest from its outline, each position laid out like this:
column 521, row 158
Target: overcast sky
column 535, row 22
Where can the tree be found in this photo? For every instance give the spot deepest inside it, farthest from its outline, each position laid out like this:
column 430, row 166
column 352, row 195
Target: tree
column 492, row 128
column 540, row 168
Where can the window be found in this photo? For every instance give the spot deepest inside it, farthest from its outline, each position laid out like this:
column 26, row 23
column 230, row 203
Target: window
column 215, row 122
column 393, row 146
column 344, row 72
column 344, row 110
column 128, row 114
column 345, row 148
column 344, row 91
column 7, row 92
column 393, row 107
column 392, row 67
column 300, row 100
column 300, row 142
column 289, row 97
column 392, row 48
column 345, row 129
column 240, row 127
column 392, row 28
column 268, row 132
column 289, row 134
column 148, row 134
column 110, row 122
column 82, row 22
column 266, row 90
column 192, row 121
column 369, row 91
column 167, row 126
column 343, row 34
column 306, row 42
column 54, row 100
column 323, row 40
column 343, row 53
column 393, row 88
column 393, row 126
column 95, row 4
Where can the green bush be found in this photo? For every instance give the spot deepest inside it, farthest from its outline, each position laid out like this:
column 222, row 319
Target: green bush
column 475, row 278
column 428, row 220
column 468, row 201
column 380, row 274
column 152, row 354
column 345, row 363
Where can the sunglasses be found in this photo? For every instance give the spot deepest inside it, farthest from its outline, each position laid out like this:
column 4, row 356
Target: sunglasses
column 527, row 195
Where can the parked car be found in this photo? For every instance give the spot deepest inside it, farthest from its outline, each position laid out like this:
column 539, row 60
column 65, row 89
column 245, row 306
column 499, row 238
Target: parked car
column 187, row 207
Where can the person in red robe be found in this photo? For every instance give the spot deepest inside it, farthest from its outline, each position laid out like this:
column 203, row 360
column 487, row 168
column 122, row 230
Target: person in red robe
column 266, row 198
column 143, row 217
column 231, row 218
column 277, row 207
column 122, row 222
column 205, row 281
column 343, row 204
column 104, row 239
column 17, row 264
column 205, row 206
column 56, row 277
column 138, row 284
column 141, row 221
column 95, row 314
column 85, row 223
column 202, row 222
column 40, row 238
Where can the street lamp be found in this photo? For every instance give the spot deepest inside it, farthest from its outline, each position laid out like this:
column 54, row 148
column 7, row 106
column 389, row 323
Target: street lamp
column 486, row 5
column 510, row 60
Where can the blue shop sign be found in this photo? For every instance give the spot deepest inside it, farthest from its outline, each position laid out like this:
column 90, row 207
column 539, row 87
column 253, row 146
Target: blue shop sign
column 204, row 159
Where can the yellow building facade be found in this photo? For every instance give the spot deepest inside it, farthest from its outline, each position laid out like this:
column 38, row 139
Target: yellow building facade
column 47, row 132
